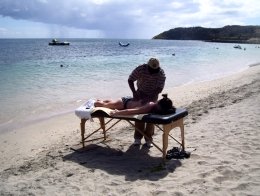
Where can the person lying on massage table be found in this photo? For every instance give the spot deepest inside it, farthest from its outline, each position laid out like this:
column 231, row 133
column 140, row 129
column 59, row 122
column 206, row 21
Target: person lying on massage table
column 127, row 106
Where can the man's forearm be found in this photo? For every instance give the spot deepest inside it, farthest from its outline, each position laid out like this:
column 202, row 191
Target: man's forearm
column 132, row 86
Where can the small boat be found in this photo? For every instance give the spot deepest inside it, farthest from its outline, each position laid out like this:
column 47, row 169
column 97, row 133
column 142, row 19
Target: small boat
column 123, row 45
column 237, row 47
column 55, row 42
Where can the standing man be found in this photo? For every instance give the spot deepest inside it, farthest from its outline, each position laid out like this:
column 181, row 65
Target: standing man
column 150, row 80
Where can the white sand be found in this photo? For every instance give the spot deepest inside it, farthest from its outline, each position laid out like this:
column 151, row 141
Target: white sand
column 223, row 126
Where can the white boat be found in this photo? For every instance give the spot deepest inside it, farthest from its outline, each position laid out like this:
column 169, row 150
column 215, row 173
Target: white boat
column 123, row 45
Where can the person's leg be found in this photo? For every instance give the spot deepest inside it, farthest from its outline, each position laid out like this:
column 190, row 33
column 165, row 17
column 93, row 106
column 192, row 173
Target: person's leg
column 107, row 100
column 137, row 135
column 118, row 104
column 101, row 103
column 149, row 131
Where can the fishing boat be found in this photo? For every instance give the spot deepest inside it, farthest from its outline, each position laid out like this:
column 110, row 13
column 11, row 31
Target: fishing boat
column 55, row 42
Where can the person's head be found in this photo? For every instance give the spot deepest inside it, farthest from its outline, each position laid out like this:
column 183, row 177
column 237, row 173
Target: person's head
column 153, row 65
column 165, row 106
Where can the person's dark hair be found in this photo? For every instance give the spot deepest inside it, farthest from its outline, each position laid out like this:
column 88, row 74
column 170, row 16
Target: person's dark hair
column 166, row 106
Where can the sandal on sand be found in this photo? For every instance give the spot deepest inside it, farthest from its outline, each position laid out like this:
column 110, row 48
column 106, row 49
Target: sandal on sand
column 177, row 153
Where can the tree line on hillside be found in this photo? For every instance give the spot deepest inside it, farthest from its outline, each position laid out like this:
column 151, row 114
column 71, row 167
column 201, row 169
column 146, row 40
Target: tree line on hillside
column 231, row 34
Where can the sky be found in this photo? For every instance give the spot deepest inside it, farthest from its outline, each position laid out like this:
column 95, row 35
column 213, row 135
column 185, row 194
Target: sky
column 129, row 19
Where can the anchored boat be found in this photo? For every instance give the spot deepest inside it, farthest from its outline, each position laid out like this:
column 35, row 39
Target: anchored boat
column 123, row 45
column 55, row 42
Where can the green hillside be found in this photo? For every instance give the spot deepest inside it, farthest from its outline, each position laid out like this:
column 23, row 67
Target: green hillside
column 232, row 34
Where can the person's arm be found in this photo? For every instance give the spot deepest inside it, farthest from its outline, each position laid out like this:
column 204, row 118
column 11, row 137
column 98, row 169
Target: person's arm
column 134, row 76
column 159, row 90
column 132, row 87
column 161, row 82
column 154, row 96
column 138, row 110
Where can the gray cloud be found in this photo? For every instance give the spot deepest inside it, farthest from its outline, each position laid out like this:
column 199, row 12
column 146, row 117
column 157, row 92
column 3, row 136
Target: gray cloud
column 119, row 18
column 111, row 17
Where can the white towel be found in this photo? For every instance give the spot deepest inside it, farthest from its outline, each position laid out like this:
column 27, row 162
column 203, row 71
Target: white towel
column 85, row 110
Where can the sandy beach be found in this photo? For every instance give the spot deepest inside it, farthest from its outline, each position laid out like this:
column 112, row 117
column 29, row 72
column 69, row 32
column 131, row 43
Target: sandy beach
column 221, row 132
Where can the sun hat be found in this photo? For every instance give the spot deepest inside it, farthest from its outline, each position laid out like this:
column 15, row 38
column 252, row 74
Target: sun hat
column 153, row 63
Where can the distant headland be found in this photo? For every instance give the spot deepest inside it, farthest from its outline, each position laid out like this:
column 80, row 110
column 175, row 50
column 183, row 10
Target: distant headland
column 227, row 34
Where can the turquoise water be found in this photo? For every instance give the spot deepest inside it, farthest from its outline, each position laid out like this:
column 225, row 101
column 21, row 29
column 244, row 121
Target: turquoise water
column 33, row 85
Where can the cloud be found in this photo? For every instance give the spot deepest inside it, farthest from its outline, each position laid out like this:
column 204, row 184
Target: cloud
column 124, row 18
column 3, row 31
column 107, row 16
column 215, row 13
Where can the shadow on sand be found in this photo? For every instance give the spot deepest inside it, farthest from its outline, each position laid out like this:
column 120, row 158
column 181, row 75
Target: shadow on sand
column 134, row 164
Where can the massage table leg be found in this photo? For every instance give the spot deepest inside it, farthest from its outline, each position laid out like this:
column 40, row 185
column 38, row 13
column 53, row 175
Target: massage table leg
column 102, row 125
column 166, row 130
column 82, row 128
column 182, row 134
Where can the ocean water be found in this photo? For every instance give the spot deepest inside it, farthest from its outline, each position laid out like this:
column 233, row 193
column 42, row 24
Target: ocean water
column 34, row 85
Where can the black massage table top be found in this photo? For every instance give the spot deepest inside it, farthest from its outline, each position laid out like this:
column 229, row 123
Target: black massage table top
column 148, row 118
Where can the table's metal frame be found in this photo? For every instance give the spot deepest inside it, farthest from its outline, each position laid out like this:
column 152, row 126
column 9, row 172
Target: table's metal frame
column 166, row 128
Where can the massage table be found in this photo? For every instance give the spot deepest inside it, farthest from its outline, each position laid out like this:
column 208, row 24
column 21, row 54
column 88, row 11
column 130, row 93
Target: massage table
column 168, row 123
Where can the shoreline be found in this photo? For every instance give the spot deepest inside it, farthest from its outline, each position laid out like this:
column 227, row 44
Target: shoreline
column 49, row 89
column 222, row 126
column 7, row 126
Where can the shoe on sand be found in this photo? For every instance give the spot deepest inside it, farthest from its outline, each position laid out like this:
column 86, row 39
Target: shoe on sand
column 149, row 144
column 177, row 153
column 137, row 142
